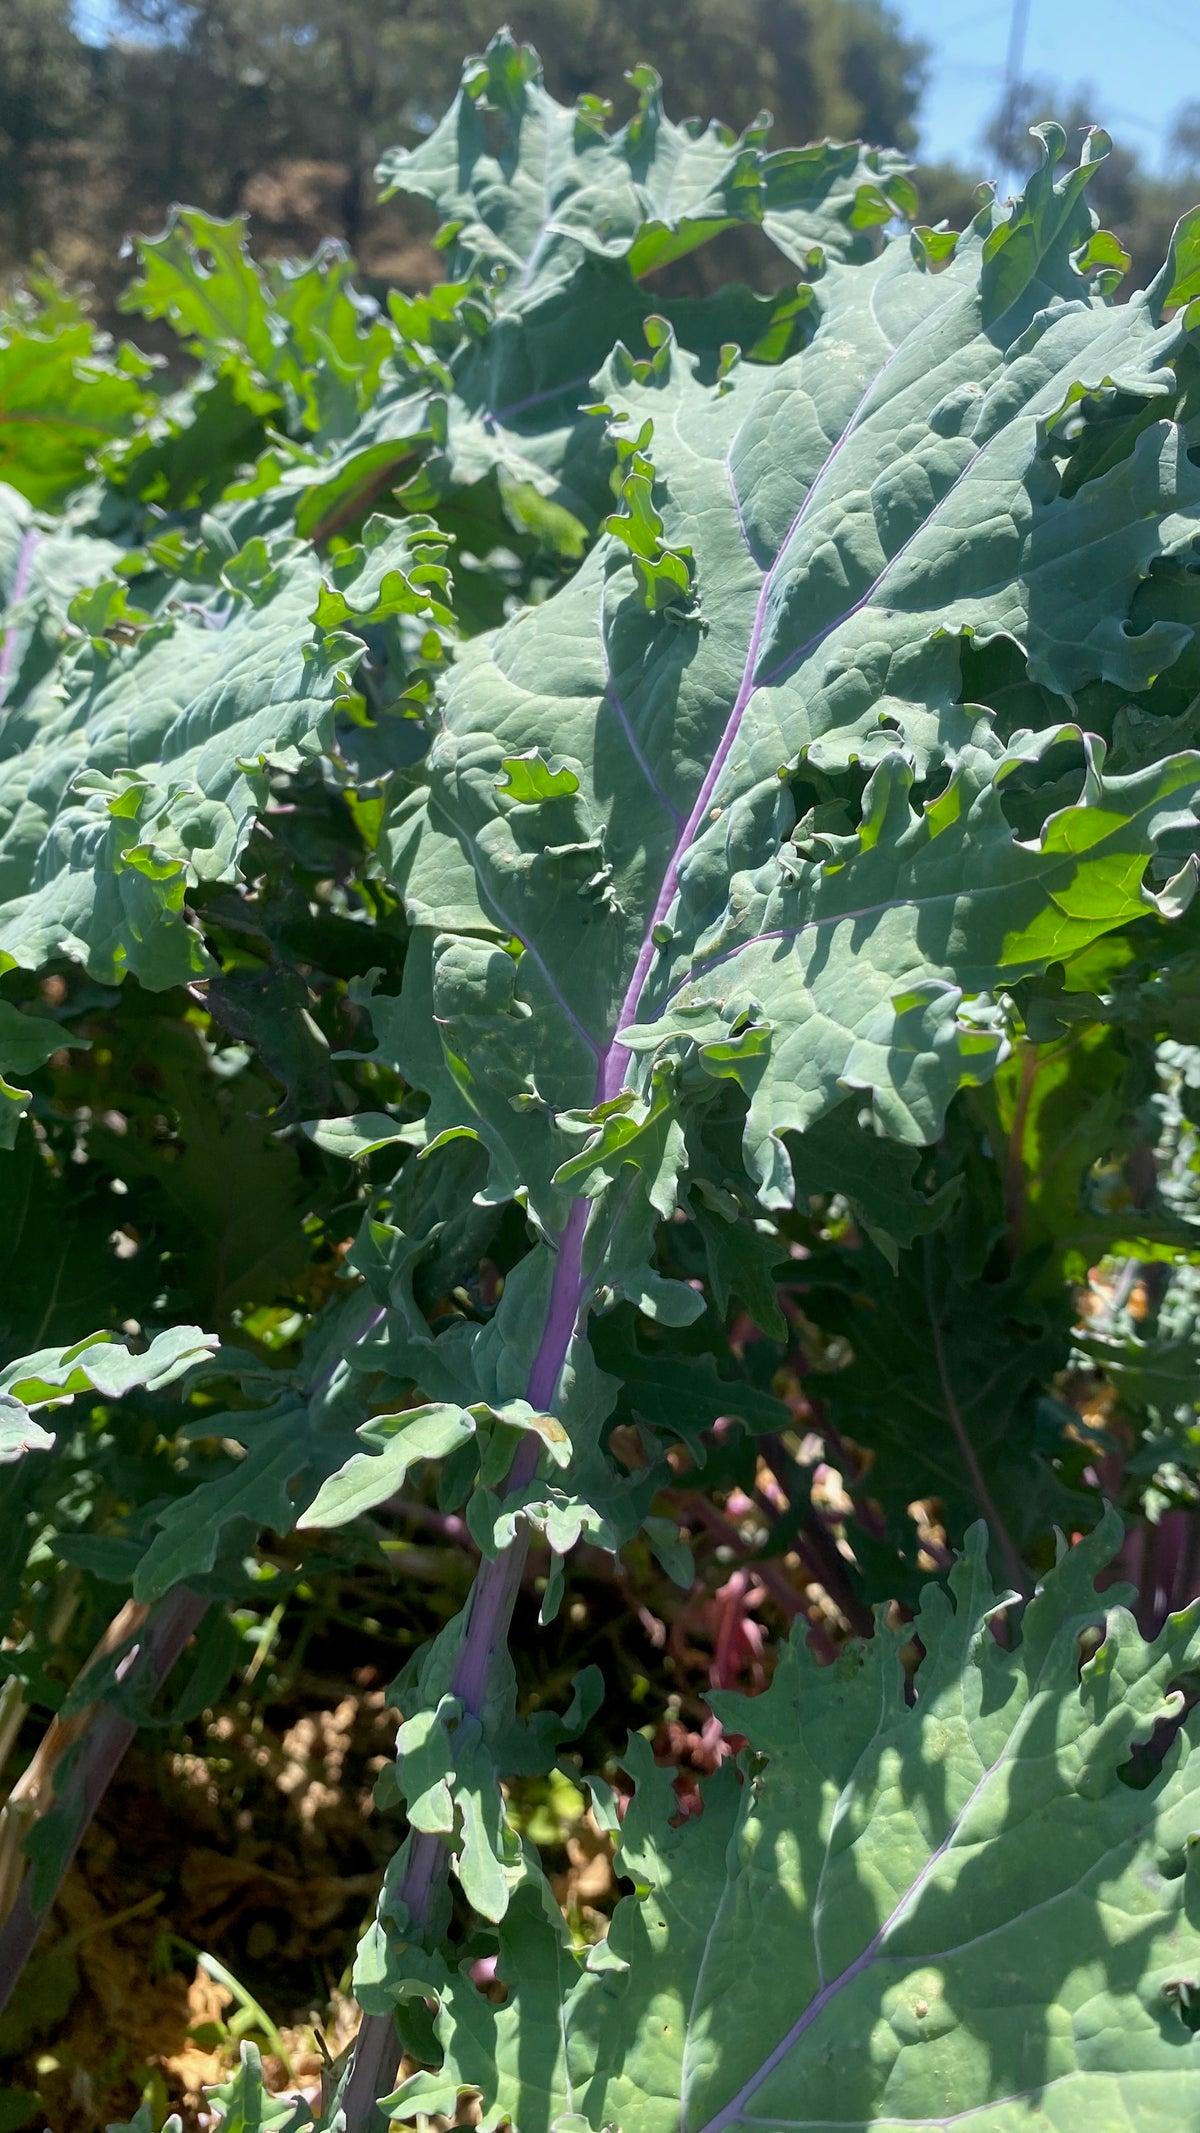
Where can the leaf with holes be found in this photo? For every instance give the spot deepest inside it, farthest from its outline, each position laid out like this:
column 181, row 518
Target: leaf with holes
column 889, row 1914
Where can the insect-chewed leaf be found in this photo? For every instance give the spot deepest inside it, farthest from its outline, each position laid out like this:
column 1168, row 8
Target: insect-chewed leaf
column 893, row 1915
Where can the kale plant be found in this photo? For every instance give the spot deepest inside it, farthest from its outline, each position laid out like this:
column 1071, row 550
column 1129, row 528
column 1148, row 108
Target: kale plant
column 596, row 889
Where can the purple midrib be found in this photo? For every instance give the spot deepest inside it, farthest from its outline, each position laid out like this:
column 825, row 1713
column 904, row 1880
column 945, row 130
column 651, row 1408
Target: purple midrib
column 615, row 1058
column 730, row 2114
column 570, row 1284
column 493, row 415
column 568, row 1295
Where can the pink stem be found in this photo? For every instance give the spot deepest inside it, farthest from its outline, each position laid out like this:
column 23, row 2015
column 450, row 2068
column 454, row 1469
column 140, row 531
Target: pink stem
column 377, row 2046
column 173, row 1622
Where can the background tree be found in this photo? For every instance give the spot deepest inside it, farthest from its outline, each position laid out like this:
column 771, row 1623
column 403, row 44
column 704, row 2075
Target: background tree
column 44, row 104
column 1183, row 141
column 285, row 105
column 1141, row 208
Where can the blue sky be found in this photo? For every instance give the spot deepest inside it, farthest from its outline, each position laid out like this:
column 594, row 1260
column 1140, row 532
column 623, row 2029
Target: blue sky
column 1140, row 57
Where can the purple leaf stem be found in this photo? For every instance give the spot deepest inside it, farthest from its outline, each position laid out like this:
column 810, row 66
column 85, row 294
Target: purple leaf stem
column 377, row 2047
column 167, row 1630
column 373, row 2069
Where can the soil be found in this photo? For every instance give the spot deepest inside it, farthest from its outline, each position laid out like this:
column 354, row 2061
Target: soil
column 223, row 1885
column 256, row 1843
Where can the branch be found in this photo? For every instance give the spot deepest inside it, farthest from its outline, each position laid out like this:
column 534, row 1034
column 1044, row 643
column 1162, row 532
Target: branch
column 101, row 1734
